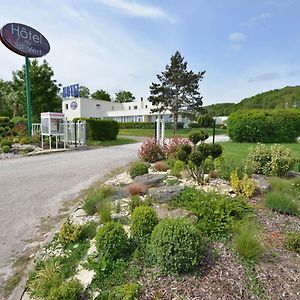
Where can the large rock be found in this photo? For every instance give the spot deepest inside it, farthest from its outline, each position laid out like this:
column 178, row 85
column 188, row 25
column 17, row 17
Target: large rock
column 262, row 184
column 165, row 193
column 150, row 180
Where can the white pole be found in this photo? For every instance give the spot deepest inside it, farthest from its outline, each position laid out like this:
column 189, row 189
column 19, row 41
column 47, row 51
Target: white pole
column 158, row 120
column 163, row 131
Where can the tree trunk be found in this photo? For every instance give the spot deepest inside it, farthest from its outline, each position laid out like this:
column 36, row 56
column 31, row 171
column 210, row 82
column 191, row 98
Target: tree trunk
column 175, row 120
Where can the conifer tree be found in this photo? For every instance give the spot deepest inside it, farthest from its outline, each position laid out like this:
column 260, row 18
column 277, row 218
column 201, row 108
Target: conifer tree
column 177, row 90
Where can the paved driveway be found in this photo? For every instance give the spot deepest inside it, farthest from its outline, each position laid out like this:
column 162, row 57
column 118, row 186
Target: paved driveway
column 36, row 187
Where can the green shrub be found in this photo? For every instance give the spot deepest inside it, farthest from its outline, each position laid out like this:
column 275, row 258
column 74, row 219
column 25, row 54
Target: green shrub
column 105, row 211
column 25, row 140
column 6, row 143
column 177, row 168
column 112, row 241
column 281, row 185
column 18, row 120
column 282, row 203
column 5, row 149
column 177, row 245
column 226, row 167
column 137, row 169
column 293, row 241
column 217, row 213
column 151, row 151
column 69, row 233
column 129, row 291
column 248, row 240
column 4, row 120
column 265, row 126
column 95, row 198
column 143, row 221
column 102, row 130
column 206, row 120
column 135, row 201
column 68, row 290
column 147, row 125
column 196, row 136
column 272, row 161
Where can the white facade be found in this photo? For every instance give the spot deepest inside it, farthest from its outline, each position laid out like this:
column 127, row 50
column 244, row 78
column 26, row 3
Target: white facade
column 136, row 111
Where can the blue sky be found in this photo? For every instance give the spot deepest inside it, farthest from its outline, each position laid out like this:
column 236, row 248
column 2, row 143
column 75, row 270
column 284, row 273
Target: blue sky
column 245, row 46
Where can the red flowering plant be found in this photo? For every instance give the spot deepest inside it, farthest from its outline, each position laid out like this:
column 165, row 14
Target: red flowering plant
column 151, row 151
column 174, row 145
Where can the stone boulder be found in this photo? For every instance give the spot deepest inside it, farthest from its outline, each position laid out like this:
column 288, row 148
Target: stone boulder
column 165, row 193
column 150, row 180
column 262, row 184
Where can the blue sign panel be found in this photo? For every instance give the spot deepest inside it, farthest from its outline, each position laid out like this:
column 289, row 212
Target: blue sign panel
column 71, row 91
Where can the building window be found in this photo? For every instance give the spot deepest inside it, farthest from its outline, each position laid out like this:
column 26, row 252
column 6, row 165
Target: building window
column 146, row 106
column 112, row 108
column 129, row 107
column 98, row 106
column 67, row 106
column 135, row 107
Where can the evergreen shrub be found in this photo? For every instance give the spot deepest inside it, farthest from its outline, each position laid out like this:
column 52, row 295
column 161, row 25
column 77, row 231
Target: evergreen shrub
column 102, row 130
column 147, row 125
column 112, row 241
column 137, row 169
column 177, row 245
column 265, row 126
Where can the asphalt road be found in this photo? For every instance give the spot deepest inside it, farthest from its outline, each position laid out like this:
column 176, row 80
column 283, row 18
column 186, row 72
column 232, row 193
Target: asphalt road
column 36, row 187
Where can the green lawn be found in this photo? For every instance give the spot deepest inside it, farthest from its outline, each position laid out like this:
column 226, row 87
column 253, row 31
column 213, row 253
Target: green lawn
column 237, row 152
column 169, row 132
column 119, row 141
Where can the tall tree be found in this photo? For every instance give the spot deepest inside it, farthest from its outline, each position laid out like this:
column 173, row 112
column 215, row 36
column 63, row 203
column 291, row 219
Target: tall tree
column 101, row 95
column 124, row 96
column 44, row 90
column 177, row 89
column 6, row 103
column 84, row 91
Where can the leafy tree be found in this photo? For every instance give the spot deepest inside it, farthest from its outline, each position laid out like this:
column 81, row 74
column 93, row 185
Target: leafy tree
column 177, row 89
column 44, row 90
column 6, row 103
column 84, row 92
column 124, row 96
column 101, row 95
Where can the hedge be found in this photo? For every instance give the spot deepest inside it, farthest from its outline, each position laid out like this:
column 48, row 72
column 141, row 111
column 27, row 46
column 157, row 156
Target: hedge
column 100, row 130
column 265, row 126
column 147, row 125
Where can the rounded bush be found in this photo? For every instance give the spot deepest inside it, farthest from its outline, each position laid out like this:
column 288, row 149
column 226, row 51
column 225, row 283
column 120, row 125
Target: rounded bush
column 151, row 151
column 187, row 148
column 266, row 126
column 6, row 143
column 176, row 245
column 197, row 158
column 112, row 240
column 216, row 150
column 138, row 169
column 206, row 120
column 143, row 221
column 182, row 155
column 205, row 150
column 6, row 149
column 196, row 136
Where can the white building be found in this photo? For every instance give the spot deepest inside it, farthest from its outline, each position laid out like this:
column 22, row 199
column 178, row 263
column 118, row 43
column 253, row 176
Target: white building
column 136, row 111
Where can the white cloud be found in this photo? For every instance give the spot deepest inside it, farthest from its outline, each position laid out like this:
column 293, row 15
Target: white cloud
column 236, row 37
column 257, row 19
column 136, row 9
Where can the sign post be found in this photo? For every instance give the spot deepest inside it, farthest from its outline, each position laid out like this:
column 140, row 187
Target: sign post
column 27, row 66
column 27, row 42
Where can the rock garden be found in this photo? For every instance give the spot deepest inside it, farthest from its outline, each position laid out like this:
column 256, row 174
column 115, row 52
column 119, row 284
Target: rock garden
column 182, row 223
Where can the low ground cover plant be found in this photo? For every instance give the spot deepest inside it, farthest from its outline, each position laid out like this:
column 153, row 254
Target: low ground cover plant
column 69, row 233
column 217, row 214
column 282, row 203
column 293, row 241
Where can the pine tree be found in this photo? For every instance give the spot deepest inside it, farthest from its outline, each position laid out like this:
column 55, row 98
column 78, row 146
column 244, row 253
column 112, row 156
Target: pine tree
column 177, row 90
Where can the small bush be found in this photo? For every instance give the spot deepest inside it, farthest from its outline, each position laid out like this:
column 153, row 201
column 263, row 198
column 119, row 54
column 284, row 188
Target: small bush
column 105, row 211
column 25, row 140
column 143, row 221
column 137, row 169
column 6, row 143
column 244, row 187
column 226, row 167
column 69, row 233
column 282, row 203
column 161, row 166
column 248, row 240
column 5, row 149
column 102, row 130
column 281, row 185
column 129, row 291
column 177, row 245
column 136, row 189
column 293, row 241
column 68, row 290
column 272, row 161
column 177, row 168
column 135, row 201
column 112, row 241
column 151, row 151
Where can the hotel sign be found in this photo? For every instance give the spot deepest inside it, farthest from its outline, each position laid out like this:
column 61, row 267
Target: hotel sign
column 24, row 40
column 71, row 91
